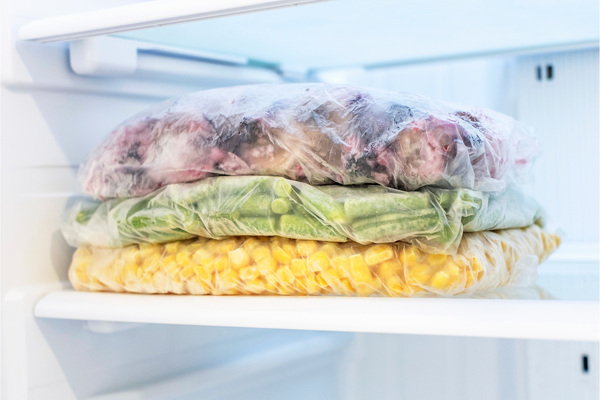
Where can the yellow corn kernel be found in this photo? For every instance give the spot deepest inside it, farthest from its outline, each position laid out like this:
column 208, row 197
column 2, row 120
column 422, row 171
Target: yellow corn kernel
column 436, row 259
column 271, row 282
column 183, row 258
column 81, row 273
column 440, row 281
column 330, row 249
column 410, row 255
column 249, row 273
column 306, row 247
column 173, row 271
column 299, row 268
column 281, row 256
column 312, row 286
column 250, row 244
column 346, row 282
column 169, row 260
column 395, row 285
column 200, row 255
column 129, row 272
column 452, row 269
column 221, row 262
column 226, row 245
column 146, row 278
column 414, row 289
column 342, row 265
column 151, row 263
column 238, row 258
column 359, row 270
column 187, row 272
column 321, row 281
column 387, row 269
column 290, row 249
column 318, row 261
column 331, row 273
column 419, row 273
column 255, row 286
column 202, row 274
column 149, row 249
column 266, row 265
column 172, row 248
column 227, row 279
column 285, row 275
column 364, row 289
column 379, row 253
column 261, row 252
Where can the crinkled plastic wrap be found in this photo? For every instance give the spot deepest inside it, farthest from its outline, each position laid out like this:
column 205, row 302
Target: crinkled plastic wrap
column 279, row 266
column 431, row 219
column 317, row 133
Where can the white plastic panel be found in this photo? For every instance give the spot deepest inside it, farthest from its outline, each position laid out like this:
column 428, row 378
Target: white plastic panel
column 346, row 33
column 533, row 319
column 564, row 111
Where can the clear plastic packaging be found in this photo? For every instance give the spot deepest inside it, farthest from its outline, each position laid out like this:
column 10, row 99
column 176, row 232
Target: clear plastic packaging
column 318, row 133
column 279, row 266
column 431, row 219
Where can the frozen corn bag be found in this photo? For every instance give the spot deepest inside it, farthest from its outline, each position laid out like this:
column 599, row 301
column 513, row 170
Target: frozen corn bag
column 313, row 132
column 280, row 266
column 431, row 219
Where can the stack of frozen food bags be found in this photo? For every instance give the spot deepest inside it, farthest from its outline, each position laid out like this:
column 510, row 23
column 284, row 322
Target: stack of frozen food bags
column 308, row 189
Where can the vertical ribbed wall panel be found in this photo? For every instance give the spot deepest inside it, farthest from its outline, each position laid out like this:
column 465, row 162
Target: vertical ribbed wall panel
column 563, row 109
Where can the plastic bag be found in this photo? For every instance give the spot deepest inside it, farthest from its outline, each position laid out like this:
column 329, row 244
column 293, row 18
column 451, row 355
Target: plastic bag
column 318, row 133
column 278, row 266
column 431, row 219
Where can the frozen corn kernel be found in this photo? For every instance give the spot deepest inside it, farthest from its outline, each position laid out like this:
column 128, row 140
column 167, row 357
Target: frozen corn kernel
column 187, row 272
column 169, row 260
column 395, row 285
column 452, row 268
column 183, row 259
column 318, row 261
column 441, row 280
column 436, row 259
column 330, row 249
column 281, row 256
column 255, row 286
column 379, row 253
column 390, row 268
column 290, row 249
column 172, row 248
column 249, row 273
column 81, row 273
column 299, row 267
column 342, row 265
column 251, row 243
column 221, row 263
column 359, row 270
column 261, row 252
column 285, row 275
column 266, row 265
column 238, row 258
column 410, row 255
column 419, row 273
column 226, row 245
column 203, row 274
column 306, row 247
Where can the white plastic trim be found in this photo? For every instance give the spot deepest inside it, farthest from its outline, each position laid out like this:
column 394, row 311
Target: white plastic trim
column 143, row 15
column 525, row 319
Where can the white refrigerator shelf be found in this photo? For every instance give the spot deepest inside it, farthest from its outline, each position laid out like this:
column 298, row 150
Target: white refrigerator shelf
column 523, row 319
